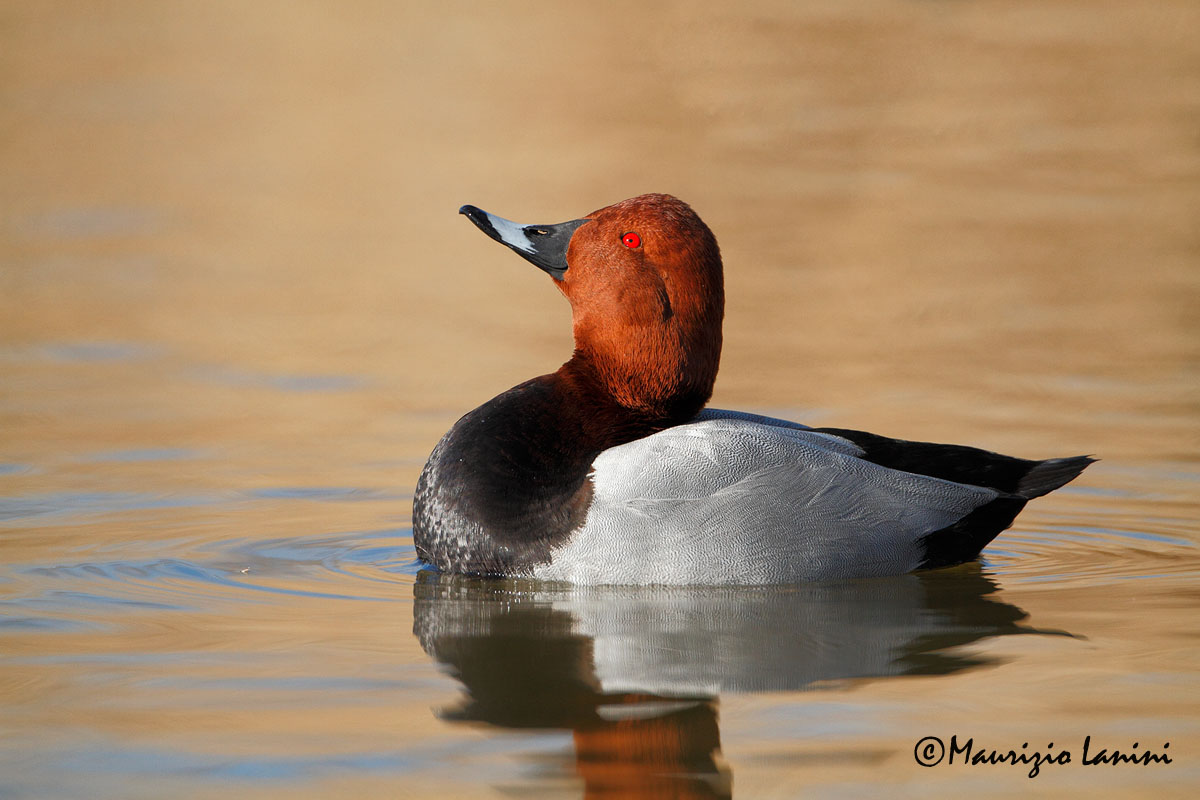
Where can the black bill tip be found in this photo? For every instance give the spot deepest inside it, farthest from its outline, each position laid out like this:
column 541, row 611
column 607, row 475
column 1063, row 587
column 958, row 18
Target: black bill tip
column 543, row 245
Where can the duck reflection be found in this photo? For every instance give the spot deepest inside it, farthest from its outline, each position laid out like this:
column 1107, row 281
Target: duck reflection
column 635, row 672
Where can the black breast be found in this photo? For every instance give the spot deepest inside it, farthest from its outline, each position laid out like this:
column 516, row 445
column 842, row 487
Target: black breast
column 506, row 484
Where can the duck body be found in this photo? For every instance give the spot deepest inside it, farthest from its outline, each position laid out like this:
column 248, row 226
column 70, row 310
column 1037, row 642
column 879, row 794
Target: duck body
column 610, row 470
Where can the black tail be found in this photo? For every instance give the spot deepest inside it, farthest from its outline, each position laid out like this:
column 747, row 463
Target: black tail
column 970, row 465
column 1017, row 479
column 1048, row 475
column 964, row 540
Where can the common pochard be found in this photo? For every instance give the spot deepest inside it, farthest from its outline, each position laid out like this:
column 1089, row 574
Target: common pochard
column 610, row 470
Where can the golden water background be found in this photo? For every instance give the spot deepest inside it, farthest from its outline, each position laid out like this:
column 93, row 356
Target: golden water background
column 237, row 309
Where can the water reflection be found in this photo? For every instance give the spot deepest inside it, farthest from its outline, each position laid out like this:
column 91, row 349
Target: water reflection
column 635, row 673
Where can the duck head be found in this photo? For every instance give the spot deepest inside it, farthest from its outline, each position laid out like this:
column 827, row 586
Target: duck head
column 645, row 283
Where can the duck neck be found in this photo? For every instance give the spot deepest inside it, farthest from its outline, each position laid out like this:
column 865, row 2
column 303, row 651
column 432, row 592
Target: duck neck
column 618, row 404
column 653, row 356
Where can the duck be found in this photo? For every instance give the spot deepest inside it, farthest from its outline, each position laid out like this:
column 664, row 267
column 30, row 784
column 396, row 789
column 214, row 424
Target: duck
column 612, row 470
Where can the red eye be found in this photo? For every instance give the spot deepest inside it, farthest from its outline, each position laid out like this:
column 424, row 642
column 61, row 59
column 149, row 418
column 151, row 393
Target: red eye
column 631, row 239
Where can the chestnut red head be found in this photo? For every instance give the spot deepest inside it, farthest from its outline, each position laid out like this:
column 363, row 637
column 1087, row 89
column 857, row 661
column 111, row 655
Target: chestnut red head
column 644, row 279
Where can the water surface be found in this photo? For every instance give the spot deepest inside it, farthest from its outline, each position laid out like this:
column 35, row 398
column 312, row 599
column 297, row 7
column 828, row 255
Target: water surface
column 237, row 309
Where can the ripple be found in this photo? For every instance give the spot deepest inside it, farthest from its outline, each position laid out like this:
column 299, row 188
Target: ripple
column 354, row 566
column 244, row 767
column 1087, row 554
column 1129, row 522
column 355, row 555
column 53, row 507
column 323, row 493
column 39, row 624
column 144, row 454
column 24, row 508
column 96, row 351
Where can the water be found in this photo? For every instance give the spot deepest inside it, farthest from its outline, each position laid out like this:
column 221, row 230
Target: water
column 237, row 309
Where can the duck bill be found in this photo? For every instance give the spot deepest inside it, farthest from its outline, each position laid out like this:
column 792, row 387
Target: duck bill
column 545, row 246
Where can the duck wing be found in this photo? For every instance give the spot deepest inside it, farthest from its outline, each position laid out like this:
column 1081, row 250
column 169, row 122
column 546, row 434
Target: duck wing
column 737, row 499
column 1028, row 478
